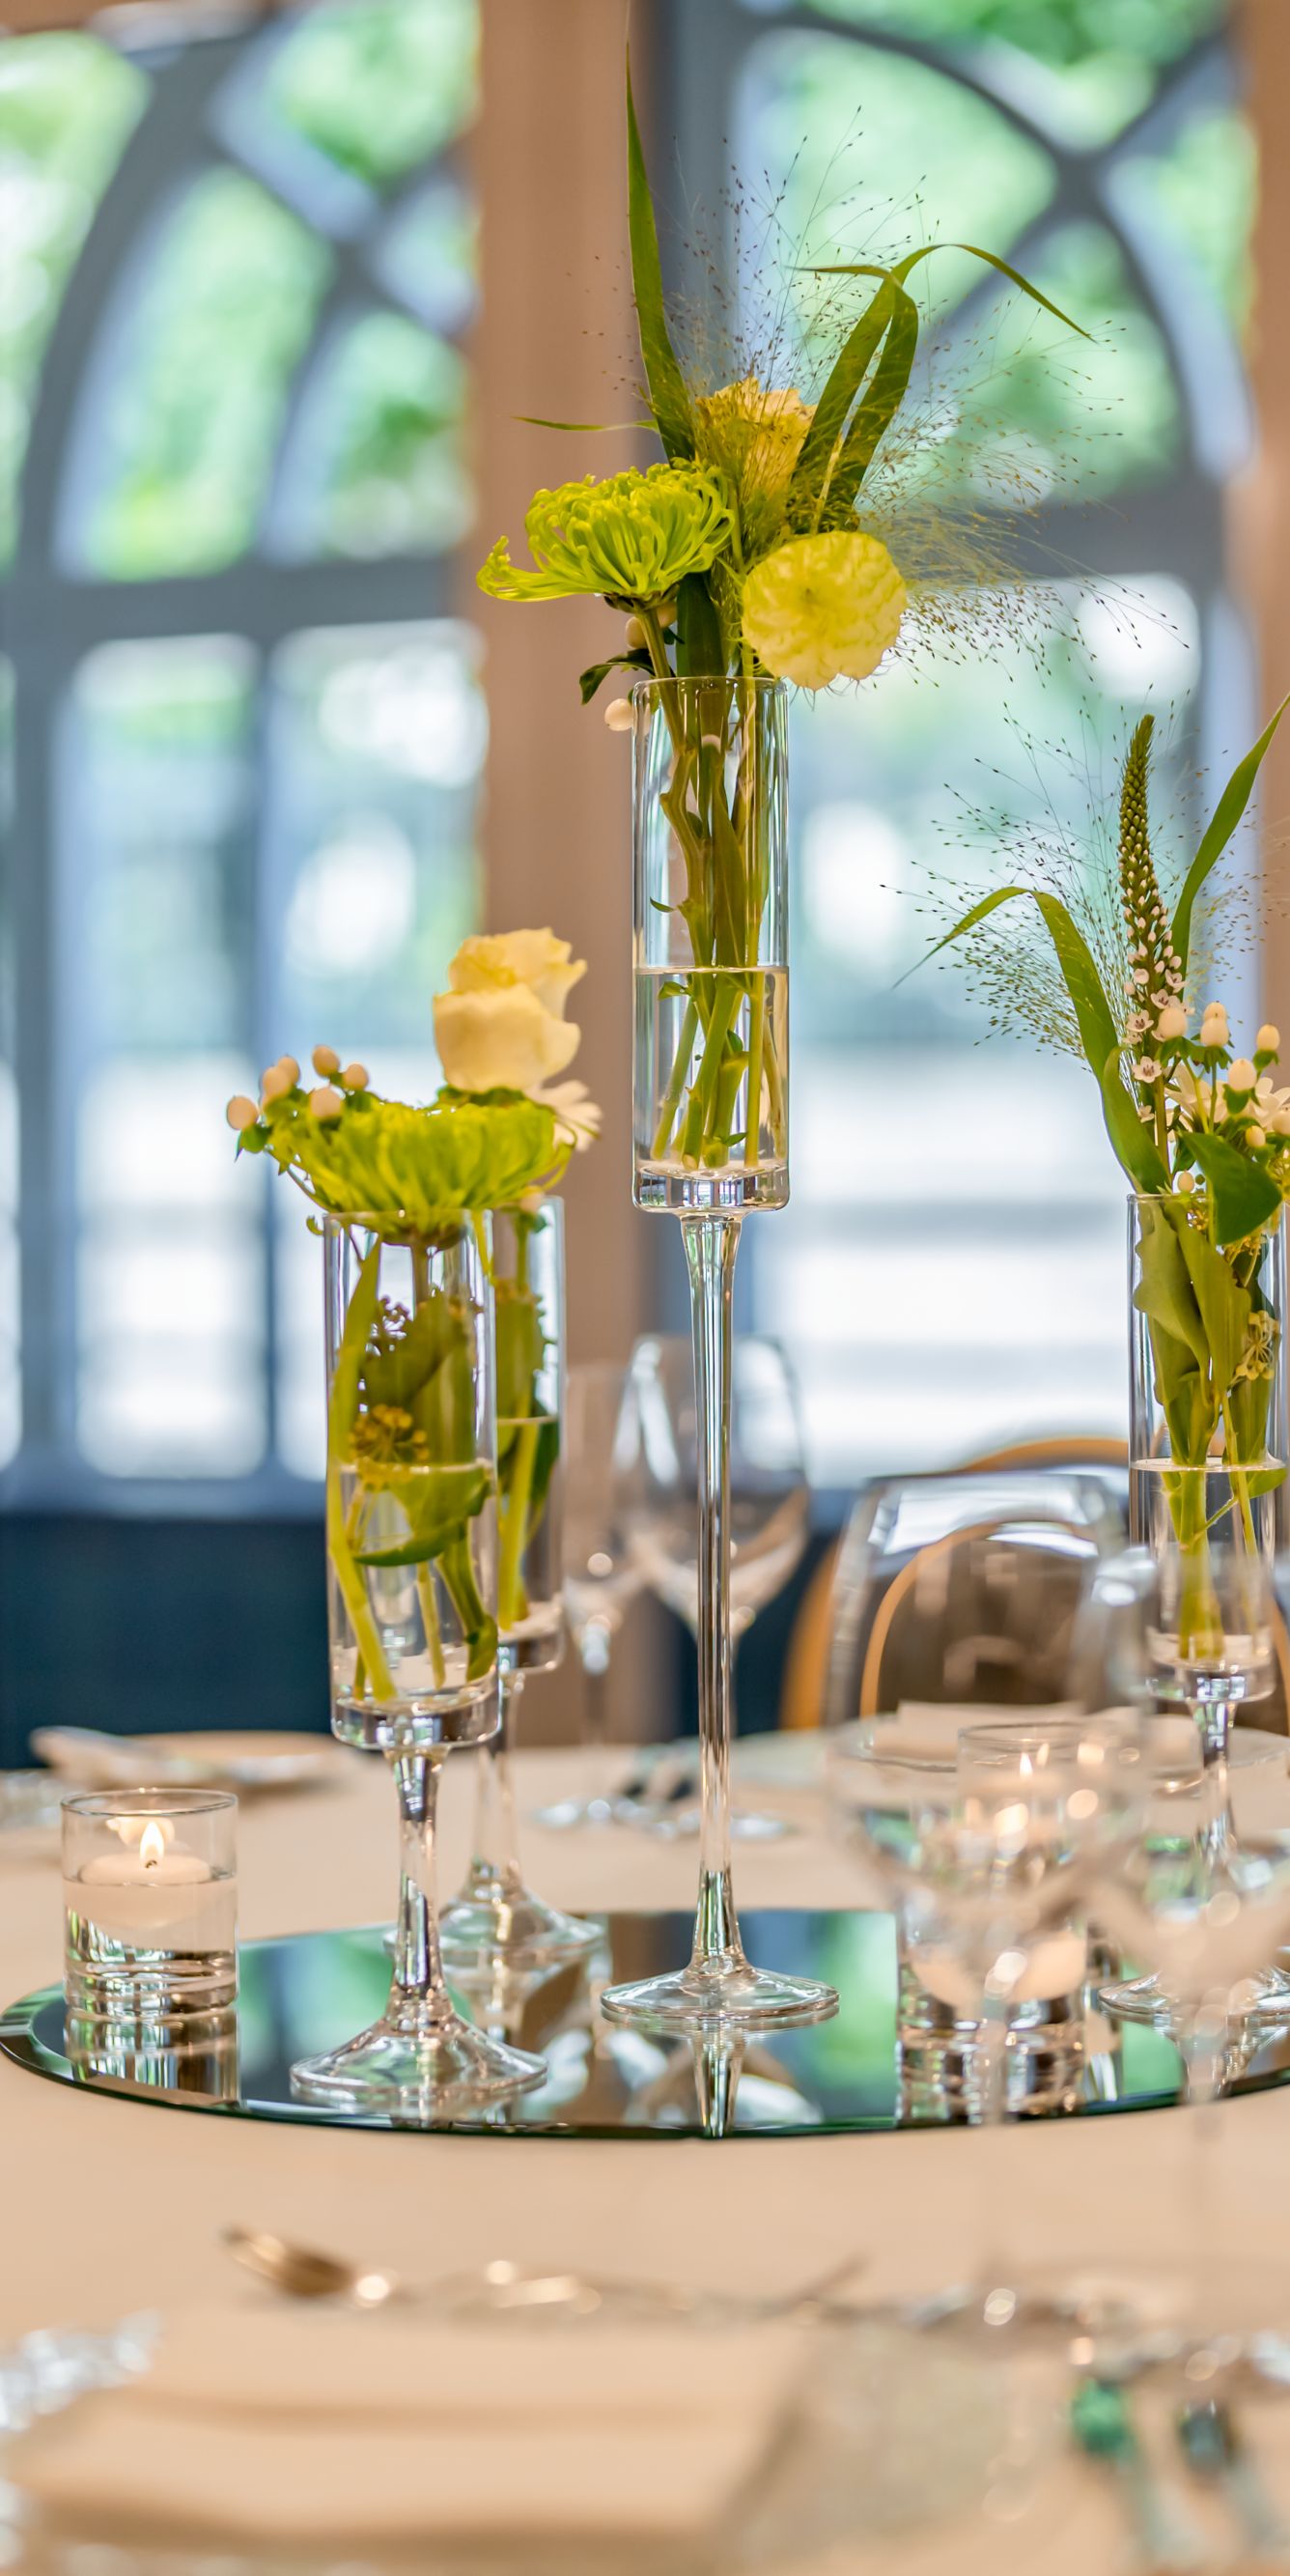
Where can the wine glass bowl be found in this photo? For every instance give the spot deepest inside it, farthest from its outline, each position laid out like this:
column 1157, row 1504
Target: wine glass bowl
column 769, row 1496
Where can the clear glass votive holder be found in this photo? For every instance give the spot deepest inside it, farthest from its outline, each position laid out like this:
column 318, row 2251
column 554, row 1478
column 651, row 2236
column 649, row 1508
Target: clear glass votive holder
column 150, row 1909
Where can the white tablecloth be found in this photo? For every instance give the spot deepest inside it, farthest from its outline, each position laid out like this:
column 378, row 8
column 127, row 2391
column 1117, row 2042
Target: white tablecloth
column 107, row 2206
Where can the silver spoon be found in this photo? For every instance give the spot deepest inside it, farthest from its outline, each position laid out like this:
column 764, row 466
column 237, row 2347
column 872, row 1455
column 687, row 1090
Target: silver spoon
column 302, row 2272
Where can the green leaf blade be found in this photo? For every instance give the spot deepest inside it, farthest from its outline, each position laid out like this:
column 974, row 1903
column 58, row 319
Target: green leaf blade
column 668, row 397
column 1222, row 823
column 1243, row 1196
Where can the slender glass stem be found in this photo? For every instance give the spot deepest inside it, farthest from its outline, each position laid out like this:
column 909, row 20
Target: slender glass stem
column 711, row 1248
column 418, row 1996
column 1204, row 2045
column 495, row 1862
column 1218, row 1829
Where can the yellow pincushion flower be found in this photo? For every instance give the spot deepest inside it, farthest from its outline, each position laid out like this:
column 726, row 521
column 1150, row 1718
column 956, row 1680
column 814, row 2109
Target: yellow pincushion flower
column 823, row 608
column 631, row 538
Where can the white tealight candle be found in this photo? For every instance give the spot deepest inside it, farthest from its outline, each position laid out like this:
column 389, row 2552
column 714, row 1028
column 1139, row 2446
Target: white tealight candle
column 158, row 1897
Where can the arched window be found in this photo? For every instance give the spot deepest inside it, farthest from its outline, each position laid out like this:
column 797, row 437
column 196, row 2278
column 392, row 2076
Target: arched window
column 243, row 727
column 951, row 1270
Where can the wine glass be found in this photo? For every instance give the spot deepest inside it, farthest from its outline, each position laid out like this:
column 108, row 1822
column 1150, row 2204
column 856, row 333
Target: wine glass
column 987, row 1867
column 600, row 1575
column 769, row 1500
column 1187, row 1629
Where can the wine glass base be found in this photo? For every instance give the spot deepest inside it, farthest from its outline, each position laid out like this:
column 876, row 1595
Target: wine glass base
column 508, row 1928
column 419, row 2075
column 733, row 1996
column 1144, row 1999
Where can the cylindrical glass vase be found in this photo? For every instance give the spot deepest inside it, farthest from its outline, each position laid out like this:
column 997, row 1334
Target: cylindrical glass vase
column 1207, row 1386
column 528, row 1291
column 412, row 1607
column 710, row 784
column 411, row 1516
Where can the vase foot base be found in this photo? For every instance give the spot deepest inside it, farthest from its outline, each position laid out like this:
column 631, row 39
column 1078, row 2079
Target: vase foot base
column 1144, row 1999
column 416, row 2076
column 731, row 1997
column 513, row 1930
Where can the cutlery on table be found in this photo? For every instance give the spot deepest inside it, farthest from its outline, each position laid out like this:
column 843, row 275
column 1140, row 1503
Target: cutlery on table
column 1103, row 2427
column 1216, row 2454
column 303, row 2272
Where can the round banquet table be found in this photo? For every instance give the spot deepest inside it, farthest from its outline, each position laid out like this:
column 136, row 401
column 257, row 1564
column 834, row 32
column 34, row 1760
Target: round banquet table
column 110, row 2205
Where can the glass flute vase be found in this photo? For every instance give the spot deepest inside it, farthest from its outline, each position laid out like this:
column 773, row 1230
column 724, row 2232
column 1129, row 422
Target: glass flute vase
column 710, row 1116
column 411, row 1598
column 496, row 1921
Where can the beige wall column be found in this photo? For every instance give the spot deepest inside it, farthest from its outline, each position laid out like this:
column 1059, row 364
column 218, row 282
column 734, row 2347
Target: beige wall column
column 1262, row 506
column 555, row 337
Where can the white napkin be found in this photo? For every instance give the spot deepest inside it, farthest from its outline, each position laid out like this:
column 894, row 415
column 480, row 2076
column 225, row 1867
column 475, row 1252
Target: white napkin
column 259, row 2419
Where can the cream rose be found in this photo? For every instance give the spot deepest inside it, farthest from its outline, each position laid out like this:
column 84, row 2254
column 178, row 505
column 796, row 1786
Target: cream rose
column 533, row 959
column 501, row 1037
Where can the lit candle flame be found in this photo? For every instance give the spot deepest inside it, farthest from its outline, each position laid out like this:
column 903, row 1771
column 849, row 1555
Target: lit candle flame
column 152, row 1846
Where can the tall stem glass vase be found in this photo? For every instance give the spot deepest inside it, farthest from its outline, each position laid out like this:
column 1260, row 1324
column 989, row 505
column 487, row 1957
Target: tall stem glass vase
column 412, row 1618
column 710, row 811
column 497, row 1924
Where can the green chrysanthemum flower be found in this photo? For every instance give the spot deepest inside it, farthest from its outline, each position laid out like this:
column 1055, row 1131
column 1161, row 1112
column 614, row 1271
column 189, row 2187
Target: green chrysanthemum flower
column 409, row 1168
column 823, row 608
column 631, row 538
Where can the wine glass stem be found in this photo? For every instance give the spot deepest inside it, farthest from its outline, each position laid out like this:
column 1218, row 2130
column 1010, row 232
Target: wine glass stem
column 1204, row 2043
column 1217, row 1833
column 418, row 1992
column 595, row 1699
column 711, row 1247
column 495, row 1862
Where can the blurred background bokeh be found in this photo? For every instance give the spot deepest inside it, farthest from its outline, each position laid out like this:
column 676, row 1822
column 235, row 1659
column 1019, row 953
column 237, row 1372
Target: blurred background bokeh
column 275, row 287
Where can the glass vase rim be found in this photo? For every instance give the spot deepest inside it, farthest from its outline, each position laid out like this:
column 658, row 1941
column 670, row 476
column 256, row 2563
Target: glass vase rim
column 646, row 682
column 1161, row 1198
column 382, row 1226
column 143, row 1801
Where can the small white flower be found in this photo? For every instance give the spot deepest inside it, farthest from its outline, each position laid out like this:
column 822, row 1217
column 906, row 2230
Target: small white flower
column 1213, row 1026
column 1172, row 1022
column 276, row 1081
column 1186, row 1181
column 287, row 1064
column 1137, row 1025
column 1240, row 1076
column 1255, row 1136
column 325, row 1060
column 1268, row 1041
column 1146, row 1069
column 637, row 638
column 326, row 1102
column 1279, row 1122
column 576, row 1113
column 1141, row 976
column 355, row 1077
column 241, row 1113
column 619, row 715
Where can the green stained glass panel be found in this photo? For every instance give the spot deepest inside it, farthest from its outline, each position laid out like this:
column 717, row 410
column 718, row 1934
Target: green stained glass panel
column 379, row 85
column 388, row 476
column 67, row 107
column 1203, row 188
column 869, row 152
column 1082, row 68
column 187, row 436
